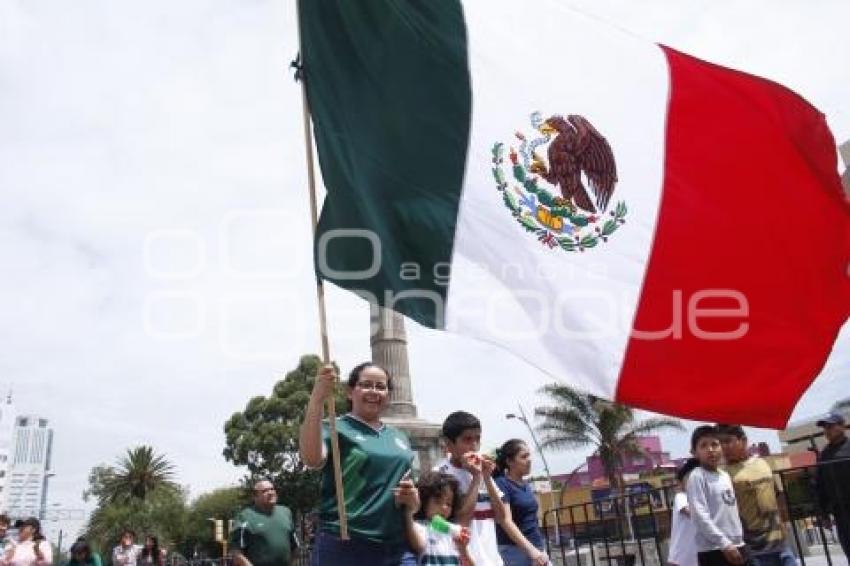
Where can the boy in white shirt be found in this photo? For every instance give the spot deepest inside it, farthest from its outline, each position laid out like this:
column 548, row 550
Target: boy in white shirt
column 712, row 503
column 482, row 504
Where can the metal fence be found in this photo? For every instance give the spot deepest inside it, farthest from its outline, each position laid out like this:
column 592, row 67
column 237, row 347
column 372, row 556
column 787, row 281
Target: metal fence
column 307, row 525
column 617, row 530
column 633, row 529
column 815, row 504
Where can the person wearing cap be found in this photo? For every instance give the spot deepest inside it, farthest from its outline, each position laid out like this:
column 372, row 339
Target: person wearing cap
column 833, row 478
column 30, row 549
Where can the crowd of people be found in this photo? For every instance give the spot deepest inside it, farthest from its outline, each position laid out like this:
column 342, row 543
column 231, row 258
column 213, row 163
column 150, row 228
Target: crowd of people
column 30, row 548
column 473, row 510
column 727, row 512
column 391, row 518
column 128, row 553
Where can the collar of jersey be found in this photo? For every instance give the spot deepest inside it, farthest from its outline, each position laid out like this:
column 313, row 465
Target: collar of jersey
column 355, row 418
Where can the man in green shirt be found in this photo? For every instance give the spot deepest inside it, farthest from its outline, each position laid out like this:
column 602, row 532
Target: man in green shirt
column 263, row 534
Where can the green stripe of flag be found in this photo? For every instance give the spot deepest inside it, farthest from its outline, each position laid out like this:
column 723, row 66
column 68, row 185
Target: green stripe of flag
column 389, row 91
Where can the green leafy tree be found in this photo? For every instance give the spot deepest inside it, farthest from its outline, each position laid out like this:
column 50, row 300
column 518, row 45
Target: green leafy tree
column 99, row 477
column 223, row 503
column 579, row 419
column 138, row 473
column 264, row 437
column 148, row 502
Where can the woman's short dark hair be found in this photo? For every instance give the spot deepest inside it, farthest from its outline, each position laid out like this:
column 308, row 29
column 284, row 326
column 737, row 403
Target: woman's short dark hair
column 432, row 484
column 508, row 451
column 354, row 375
column 31, row 522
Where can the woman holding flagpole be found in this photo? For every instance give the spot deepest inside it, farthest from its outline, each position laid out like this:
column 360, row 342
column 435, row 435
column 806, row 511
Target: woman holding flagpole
column 375, row 459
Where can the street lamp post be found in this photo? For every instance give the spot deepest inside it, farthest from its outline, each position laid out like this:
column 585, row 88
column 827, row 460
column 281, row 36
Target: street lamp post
column 523, row 419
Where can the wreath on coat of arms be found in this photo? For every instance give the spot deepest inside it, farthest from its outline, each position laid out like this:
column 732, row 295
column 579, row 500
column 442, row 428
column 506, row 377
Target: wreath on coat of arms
column 575, row 152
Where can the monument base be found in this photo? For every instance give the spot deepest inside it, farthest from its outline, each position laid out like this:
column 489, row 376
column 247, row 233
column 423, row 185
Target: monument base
column 424, row 439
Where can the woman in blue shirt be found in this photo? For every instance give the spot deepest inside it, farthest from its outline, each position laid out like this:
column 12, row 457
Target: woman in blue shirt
column 513, row 463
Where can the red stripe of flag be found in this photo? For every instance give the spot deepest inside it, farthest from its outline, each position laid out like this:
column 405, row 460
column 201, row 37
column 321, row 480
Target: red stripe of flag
column 752, row 220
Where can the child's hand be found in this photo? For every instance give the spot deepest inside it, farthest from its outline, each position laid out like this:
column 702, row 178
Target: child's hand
column 472, row 462
column 541, row 559
column 733, row 555
column 462, row 538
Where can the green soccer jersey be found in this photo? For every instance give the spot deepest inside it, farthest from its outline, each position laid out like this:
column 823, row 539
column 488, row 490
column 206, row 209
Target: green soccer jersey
column 373, row 462
column 265, row 539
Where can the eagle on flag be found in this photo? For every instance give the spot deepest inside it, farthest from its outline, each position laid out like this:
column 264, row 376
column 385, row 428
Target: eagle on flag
column 578, row 147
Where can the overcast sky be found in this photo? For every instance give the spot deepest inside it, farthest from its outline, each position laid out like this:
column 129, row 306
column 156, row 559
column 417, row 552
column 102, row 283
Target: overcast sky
column 154, row 224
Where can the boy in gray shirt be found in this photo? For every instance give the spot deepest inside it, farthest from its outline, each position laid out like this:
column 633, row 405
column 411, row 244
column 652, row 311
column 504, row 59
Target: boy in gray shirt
column 711, row 500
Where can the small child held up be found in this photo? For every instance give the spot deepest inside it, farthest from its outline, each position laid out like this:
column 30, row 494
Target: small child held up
column 712, row 504
column 431, row 537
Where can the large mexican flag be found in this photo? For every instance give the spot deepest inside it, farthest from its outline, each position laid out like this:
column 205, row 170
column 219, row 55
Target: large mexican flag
column 641, row 224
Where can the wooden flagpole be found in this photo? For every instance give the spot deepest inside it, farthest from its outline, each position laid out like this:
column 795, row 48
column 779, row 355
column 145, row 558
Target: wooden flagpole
column 320, row 291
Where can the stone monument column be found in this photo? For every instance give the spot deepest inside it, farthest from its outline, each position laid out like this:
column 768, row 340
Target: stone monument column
column 389, row 350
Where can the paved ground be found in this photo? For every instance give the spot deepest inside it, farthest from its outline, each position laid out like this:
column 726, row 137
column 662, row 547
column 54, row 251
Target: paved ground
column 817, row 557
column 838, row 559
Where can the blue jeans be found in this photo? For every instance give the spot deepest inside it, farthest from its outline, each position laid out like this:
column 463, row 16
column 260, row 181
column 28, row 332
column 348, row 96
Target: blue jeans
column 331, row 551
column 778, row 558
column 513, row 555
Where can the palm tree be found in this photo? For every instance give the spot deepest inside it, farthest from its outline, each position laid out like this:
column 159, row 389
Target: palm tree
column 137, row 474
column 579, row 419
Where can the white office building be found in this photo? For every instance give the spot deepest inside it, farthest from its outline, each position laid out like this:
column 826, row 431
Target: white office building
column 29, row 467
column 7, row 423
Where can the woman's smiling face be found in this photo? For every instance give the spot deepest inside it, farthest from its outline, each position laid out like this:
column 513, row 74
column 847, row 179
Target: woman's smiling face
column 370, row 394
